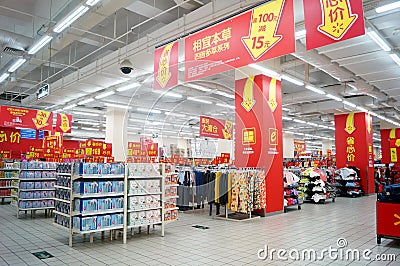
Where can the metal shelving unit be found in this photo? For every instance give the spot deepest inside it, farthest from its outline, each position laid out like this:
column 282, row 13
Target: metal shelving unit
column 11, row 176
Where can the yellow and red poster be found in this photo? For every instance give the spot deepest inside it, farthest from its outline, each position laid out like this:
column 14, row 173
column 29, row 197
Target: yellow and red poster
column 152, row 150
column 166, row 66
column 25, row 118
column 64, row 123
column 390, row 143
column 354, row 146
column 5, row 154
column 258, row 129
column 216, row 128
column 299, row 146
column 134, row 148
column 331, row 21
column 260, row 34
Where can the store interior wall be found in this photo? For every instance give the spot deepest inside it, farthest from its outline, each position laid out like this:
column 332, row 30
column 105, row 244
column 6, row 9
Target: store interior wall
column 288, row 145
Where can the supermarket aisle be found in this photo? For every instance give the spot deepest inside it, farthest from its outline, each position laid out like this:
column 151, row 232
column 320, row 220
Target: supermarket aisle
column 315, row 227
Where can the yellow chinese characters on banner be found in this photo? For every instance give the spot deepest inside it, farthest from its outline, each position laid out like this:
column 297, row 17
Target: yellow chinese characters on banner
column 212, row 44
column 12, row 137
column 216, row 128
column 350, row 149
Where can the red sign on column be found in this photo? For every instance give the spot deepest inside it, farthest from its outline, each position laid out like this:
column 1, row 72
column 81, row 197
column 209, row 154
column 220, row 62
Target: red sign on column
column 259, row 132
column 331, row 21
column 166, row 66
column 354, row 146
column 260, row 34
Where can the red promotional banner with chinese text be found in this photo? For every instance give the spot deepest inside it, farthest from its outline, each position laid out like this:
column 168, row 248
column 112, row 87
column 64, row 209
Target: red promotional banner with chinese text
column 260, row 34
column 331, row 21
column 216, row 128
column 166, row 66
column 134, row 148
column 390, row 143
column 64, row 123
column 354, row 146
column 152, row 150
column 258, row 101
column 94, row 147
column 5, row 154
column 25, row 118
column 299, row 146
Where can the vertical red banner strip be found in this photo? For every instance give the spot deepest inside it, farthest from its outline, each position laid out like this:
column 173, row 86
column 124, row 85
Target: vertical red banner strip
column 354, row 146
column 64, row 123
column 166, row 66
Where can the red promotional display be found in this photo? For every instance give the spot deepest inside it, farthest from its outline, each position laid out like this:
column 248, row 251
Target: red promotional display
column 332, row 21
column 354, row 146
column 390, row 143
column 166, row 66
column 299, row 146
column 263, row 33
column 134, row 148
column 152, row 150
column 64, row 123
column 215, row 128
column 387, row 220
column 25, row 118
column 5, row 154
column 259, row 132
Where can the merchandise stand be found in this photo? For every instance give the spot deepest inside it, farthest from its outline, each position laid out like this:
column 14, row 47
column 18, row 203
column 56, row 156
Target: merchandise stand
column 294, row 196
column 8, row 181
column 236, row 216
column 387, row 220
column 35, row 188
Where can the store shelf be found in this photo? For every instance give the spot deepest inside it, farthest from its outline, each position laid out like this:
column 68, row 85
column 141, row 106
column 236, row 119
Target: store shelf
column 145, row 177
column 36, row 189
column 172, row 209
column 97, row 212
column 39, row 179
column 59, row 225
column 62, row 187
column 64, row 174
column 6, row 197
column 63, row 200
column 7, row 179
column 75, row 177
column 144, row 194
column 35, row 209
column 97, row 230
column 147, row 209
column 19, row 199
column 9, row 169
column 61, row 213
column 9, row 187
column 136, row 226
column 97, row 195
column 44, row 169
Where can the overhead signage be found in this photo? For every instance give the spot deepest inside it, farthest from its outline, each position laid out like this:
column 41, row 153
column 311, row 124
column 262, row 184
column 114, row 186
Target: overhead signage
column 390, row 143
column 332, row 21
column 263, row 33
column 64, row 123
column 216, row 128
column 25, row 118
column 28, row 133
column 41, row 134
column 43, row 92
column 166, row 66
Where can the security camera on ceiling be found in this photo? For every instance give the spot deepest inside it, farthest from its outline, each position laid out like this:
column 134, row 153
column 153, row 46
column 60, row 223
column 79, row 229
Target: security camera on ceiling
column 126, row 67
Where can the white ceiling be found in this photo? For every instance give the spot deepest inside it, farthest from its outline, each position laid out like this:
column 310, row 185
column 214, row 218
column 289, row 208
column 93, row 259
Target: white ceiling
column 83, row 62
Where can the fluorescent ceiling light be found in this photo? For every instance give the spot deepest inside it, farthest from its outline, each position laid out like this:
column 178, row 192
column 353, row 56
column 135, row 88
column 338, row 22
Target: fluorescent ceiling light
column 40, row 44
column 120, row 106
column 379, row 40
column 312, row 88
column 349, row 104
column 288, row 132
column 333, row 97
column 388, row 7
column 74, row 127
column 88, row 123
column 376, row 139
column 4, row 76
column 198, row 100
column 299, row 121
column 362, row 109
column 287, row 118
column 312, row 124
column 90, row 128
column 185, row 133
column 86, row 101
column 197, row 87
column 137, row 120
column 153, row 111
column 16, row 65
column 331, row 128
column 228, row 95
column 395, row 58
column 105, row 94
column 174, row 114
column 266, row 71
column 169, row 94
column 85, row 113
column 300, row 34
column 69, row 19
column 285, row 109
column 128, row 87
column 226, row 105
column 292, row 80
column 92, row 2
column 70, row 107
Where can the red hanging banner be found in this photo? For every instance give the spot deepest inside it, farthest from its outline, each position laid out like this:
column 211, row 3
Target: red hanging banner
column 260, row 34
column 25, row 118
column 166, row 66
column 216, row 128
column 390, row 143
column 152, row 150
column 331, row 21
column 64, row 123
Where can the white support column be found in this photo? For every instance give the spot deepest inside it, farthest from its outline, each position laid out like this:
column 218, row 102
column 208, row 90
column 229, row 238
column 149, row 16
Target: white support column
column 288, row 145
column 116, row 131
column 326, row 145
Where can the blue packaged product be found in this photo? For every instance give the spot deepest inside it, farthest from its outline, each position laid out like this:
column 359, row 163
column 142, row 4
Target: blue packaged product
column 38, row 185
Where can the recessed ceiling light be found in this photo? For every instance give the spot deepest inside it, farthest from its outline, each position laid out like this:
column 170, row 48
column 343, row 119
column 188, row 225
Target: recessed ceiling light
column 128, row 87
column 154, row 111
column 105, row 94
column 86, row 101
column 198, row 100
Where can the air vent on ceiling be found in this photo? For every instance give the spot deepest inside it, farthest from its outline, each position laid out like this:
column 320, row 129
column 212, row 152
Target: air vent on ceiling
column 12, row 96
column 13, row 51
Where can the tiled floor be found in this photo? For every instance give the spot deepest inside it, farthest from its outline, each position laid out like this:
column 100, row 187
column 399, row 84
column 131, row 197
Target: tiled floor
column 316, row 226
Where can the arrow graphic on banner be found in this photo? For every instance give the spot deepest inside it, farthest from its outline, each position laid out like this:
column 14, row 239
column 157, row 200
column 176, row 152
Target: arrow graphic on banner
column 272, row 95
column 397, row 143
column 350, row 128
column 398, row 217
column 64, row 123
column 263, row 26
column 41, row 119
column 163, row 70
column 392, row 133
column 369, row 121
column 337, row 19
column 248, row 98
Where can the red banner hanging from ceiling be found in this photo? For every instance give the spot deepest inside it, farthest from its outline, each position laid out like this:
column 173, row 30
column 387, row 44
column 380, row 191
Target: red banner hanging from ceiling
column 216, row 128
column 331, row 21
column 64, row 123
column 166, row 66
column 25, row 118
column 260, row 34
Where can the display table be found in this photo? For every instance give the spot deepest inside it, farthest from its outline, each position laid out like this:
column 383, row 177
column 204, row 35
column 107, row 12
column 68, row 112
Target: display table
column 387, row 220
